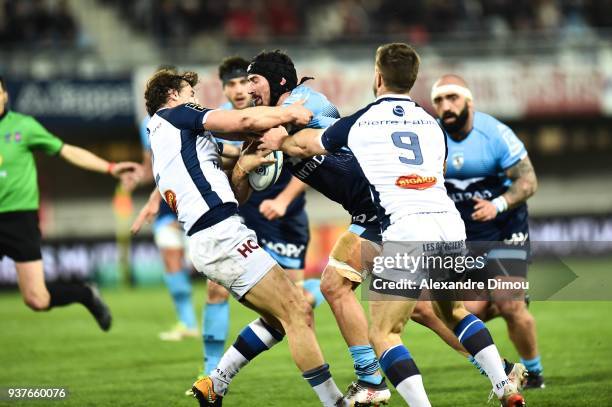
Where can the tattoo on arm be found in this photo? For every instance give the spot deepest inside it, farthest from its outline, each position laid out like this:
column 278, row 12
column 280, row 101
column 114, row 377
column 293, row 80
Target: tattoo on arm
column 524, row 183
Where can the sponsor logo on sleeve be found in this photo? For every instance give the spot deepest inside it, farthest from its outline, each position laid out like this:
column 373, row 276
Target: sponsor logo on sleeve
column 414, row 181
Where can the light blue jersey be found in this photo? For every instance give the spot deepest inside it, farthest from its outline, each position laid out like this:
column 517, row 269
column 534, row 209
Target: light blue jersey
column 476, row 168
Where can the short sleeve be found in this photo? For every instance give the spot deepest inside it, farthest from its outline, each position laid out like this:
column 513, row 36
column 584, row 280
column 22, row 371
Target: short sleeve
column 189, row 116
column 510, row 149
column 336, row 136
column 144, row 133
column 39, row 138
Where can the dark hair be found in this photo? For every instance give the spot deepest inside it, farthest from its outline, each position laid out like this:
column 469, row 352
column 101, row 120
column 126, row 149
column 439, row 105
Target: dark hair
column 233, row 67
column 275, row 66
column 162, row 83
column 2, row 82
column 398, row 63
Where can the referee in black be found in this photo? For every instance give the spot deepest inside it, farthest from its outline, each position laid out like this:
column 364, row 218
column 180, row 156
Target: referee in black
column 20, row 237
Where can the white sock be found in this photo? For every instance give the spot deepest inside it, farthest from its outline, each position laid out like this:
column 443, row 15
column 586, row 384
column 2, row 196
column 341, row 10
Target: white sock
column 413, row 391
column 254, row 339
column 323, row 384
column 328, row 392
column 229, row 365
column 489, row 359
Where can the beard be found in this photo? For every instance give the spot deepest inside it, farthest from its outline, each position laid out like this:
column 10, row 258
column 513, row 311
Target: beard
column 459, row 122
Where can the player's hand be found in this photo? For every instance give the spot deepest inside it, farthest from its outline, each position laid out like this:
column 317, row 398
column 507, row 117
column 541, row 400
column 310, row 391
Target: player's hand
column 484, row 210
column 252, row 157
column 273, row 138
column 129, row 167
column 146, row 215
column 273, row 208
column 301, row 115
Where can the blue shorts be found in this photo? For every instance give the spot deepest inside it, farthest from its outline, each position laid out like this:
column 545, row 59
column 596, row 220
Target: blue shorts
column 368, row 231
column 285, row 239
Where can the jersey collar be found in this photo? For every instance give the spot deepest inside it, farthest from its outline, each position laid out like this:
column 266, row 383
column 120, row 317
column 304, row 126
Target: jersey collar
column 394, row 96
column 3, row 115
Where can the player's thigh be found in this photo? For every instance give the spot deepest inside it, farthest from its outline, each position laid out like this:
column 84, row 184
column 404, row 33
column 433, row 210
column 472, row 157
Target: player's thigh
column 31, row 280
column 390, row 316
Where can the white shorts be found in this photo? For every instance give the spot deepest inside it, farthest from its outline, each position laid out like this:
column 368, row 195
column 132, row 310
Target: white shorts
column 228, row 254
column 169, row 236
column 427, row 227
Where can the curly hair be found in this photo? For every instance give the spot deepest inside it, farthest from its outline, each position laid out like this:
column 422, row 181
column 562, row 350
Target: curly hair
column 162, row 83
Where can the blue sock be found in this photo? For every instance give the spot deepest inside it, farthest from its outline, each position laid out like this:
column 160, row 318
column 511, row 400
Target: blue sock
column 179, row 286
column 365, row 364
column 533, row 365
column 313, row 286
column 398, row 365
column 473, row 334
column 214, row 334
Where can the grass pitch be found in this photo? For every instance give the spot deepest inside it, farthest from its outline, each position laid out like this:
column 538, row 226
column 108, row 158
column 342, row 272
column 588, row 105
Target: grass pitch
column 129, row 366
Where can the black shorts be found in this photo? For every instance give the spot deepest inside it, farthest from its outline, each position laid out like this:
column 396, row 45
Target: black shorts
column 20, row 236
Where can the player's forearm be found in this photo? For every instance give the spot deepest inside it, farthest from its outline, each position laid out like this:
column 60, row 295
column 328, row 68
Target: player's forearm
column 85, row 159
column 239, row 182
column 304, row 143
column 524, row 183
column 294, row 188
column 262, row 118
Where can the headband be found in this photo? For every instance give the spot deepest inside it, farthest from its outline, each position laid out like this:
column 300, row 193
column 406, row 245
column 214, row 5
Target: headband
column 451, row 88
column 234, row 73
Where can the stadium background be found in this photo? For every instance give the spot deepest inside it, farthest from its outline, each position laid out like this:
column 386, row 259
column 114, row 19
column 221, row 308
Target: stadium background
column 544, row 67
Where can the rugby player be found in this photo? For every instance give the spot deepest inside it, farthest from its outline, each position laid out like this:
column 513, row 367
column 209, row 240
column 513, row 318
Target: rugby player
column 189, row 176
column 170, row 240
column 273, row 81
column 20, row 237
column 490, row 177
column 401, row 151
column 276, row 215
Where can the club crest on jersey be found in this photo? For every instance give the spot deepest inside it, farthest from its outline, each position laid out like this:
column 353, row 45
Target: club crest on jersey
column 414, row 181
column 457, row 160
column 398, row 111
column 170, row 198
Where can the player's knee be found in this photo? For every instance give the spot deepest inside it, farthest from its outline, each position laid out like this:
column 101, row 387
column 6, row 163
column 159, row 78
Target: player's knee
column 423, row 314
column 514, row 311
column 36, row 301
column 334, row 286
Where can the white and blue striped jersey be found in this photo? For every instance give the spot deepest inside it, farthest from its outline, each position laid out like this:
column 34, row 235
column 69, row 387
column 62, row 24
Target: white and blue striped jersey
column 187, row 167
column 401, row 151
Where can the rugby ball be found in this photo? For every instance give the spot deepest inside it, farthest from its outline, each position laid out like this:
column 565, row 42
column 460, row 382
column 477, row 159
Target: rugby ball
column 267, row 175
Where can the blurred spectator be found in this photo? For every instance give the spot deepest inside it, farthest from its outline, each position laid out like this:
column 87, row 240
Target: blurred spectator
column 36, row 23
column 418, row 21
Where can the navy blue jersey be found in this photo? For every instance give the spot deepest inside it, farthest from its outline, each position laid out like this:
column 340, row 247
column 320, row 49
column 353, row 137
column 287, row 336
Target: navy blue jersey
column 476, row 169
column 337, row 176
